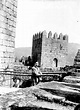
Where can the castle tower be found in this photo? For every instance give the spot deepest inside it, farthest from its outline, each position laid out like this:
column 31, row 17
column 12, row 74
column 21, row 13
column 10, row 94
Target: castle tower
column 51, row 51
column 8, row 14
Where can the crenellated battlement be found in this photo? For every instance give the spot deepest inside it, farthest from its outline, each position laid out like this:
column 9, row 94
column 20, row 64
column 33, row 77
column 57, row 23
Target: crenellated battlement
column 49, row 35
column 37, row 36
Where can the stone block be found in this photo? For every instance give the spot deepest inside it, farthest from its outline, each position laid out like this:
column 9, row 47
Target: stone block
column 12, row 18
column 2, row 48
column 2, row 12
column 1, row 6
column 1, row 18
column 61, row 36
column 1, row 54
column 1, row 41
column 13, row 34
column 12, row 13
column 44, row 33
column 8, row 5
column 10, row 49
column 50, row 34
column 15, row 8
column 55, row 36
column 2, row 24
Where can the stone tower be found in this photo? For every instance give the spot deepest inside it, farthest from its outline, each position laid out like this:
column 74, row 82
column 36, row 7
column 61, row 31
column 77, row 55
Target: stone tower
column 50, row 50
column 77, row 60
column 8, row 14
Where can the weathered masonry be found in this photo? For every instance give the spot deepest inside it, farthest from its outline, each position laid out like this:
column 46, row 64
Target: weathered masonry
column 77, row 61
column 8, row 14
column 50, row 52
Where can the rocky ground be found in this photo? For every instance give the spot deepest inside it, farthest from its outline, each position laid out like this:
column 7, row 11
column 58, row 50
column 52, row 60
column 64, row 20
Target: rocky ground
column 44, row 96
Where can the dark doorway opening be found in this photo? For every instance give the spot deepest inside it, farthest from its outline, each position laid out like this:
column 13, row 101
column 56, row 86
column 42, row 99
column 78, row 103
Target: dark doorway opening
column 55, row 62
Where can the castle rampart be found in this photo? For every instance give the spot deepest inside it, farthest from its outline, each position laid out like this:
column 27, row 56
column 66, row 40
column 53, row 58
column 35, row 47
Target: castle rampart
column 55, row 36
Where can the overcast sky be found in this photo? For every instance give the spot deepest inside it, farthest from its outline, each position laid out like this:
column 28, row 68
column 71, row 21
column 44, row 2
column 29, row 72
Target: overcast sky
column 61, row 16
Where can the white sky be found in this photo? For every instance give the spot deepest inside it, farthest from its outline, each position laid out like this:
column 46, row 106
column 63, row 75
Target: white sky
column 61, row 16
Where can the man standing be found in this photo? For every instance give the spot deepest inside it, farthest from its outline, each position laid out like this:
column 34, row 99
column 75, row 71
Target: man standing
column 36, row 73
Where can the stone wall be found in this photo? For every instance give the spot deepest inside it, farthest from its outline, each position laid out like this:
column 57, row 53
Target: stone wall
column 51, row 47
column 8, row 14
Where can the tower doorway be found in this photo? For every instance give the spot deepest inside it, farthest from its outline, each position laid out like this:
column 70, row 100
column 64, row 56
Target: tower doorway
column 55, row 62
